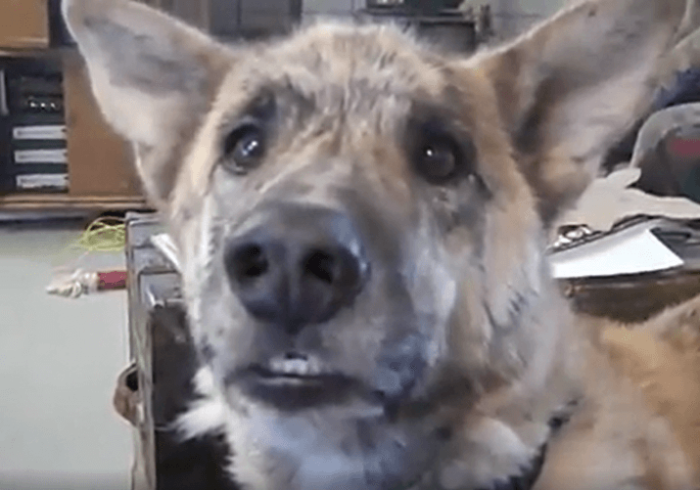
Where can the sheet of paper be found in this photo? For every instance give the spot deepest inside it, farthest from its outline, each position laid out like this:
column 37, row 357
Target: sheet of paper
column 631, row 251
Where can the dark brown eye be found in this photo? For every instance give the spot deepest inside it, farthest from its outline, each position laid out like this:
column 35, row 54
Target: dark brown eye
column 245, row 147
column 439, row 160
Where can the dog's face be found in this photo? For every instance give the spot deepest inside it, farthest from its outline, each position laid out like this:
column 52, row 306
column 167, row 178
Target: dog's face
column 360, row 218
column 357, row 187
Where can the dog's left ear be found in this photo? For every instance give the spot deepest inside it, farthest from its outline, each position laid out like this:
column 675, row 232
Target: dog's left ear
column 570, row 88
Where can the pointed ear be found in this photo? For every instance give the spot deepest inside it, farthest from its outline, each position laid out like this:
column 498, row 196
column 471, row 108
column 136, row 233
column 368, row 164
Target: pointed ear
column 154, row 78
column 570, row 88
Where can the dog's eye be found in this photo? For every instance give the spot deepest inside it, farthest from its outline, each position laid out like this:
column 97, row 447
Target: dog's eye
column 439, row 161
column 245, row 147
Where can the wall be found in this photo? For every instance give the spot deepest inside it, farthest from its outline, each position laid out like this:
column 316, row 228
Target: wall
column 341, row 8
column 514, row 16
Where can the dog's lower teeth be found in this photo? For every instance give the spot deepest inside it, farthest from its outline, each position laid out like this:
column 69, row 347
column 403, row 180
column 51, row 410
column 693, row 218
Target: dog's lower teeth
column 294, row 367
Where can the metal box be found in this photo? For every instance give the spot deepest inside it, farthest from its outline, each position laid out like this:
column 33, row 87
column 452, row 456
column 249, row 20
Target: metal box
column 151, row 280
column 166, row 362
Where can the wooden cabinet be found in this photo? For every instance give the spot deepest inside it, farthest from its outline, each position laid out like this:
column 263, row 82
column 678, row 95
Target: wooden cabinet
column 101, row 170
column 24, row 24
column 100, row 163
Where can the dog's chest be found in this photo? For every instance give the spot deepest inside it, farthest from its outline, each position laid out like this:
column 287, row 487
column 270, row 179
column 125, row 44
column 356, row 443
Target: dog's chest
column 305, row 453
column 295, row 454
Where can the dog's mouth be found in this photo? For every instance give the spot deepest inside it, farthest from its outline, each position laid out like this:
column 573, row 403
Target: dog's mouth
column 291, row 373
column 294, row 381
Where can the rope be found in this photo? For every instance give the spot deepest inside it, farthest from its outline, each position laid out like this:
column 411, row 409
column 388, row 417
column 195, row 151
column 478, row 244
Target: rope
column 105, row 234
column 74, row 285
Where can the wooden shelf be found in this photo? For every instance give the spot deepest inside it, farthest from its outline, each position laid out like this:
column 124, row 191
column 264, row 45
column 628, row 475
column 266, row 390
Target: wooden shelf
column 65, row 202
column 101, row 172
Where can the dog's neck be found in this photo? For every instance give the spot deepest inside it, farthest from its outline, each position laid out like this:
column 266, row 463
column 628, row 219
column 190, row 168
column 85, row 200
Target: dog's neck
column 330, row 448
column 317, row 451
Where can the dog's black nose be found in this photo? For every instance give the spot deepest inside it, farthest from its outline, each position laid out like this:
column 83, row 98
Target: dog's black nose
column 297, row 266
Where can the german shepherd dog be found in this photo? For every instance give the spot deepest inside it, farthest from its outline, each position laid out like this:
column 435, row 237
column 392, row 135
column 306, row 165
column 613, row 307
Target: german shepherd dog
column 362, row 223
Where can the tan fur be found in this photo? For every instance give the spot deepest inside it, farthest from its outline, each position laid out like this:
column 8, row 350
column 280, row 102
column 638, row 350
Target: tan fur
column 666, row 371
column 502, row 352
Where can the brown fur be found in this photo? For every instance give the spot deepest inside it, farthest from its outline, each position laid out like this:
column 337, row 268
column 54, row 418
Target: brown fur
column 460, row 283
column 666, row 371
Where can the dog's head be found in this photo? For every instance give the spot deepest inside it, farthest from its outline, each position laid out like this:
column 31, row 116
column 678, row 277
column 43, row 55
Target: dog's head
column 360, row 217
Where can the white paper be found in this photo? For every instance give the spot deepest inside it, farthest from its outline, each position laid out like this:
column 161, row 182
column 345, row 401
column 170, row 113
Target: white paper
column 630, row 251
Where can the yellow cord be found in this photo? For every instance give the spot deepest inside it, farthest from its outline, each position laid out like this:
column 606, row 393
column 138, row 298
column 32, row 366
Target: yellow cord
column 103, row 235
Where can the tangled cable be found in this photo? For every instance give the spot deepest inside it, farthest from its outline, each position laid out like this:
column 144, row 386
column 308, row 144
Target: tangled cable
column 105, row 234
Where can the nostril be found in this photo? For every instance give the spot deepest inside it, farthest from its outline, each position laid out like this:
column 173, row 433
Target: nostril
column 321, row 265
column 250, row 263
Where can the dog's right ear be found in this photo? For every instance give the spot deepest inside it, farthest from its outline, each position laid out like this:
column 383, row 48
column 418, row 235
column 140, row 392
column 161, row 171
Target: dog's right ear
column 154, row 78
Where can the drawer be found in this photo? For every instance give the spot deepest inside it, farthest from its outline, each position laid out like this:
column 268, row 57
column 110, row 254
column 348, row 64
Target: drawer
column 48, row 132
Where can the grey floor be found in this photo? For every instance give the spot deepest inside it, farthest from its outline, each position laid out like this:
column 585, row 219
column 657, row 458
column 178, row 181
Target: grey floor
column 59, row 359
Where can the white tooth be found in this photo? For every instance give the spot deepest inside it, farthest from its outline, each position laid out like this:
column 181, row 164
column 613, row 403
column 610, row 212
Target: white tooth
column 296, row 366
column 277, row 365
column 303, row 368
column 313, row 366
column 299, row 367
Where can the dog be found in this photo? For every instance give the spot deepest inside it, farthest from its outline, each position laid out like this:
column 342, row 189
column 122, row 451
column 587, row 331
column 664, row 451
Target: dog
column 362, row 220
